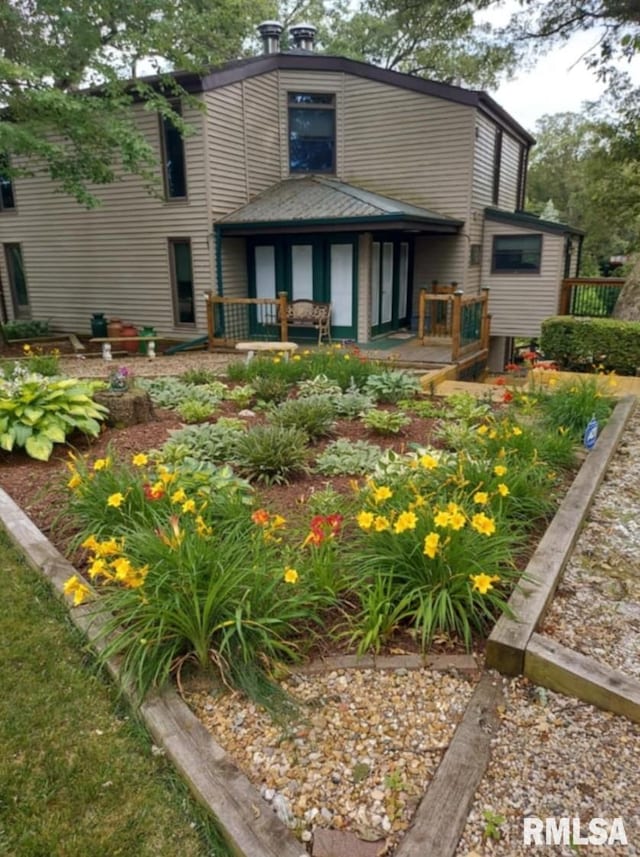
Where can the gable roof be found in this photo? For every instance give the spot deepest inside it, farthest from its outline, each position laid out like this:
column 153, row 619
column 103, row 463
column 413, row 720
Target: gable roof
column 243, row 69
column 320, row 201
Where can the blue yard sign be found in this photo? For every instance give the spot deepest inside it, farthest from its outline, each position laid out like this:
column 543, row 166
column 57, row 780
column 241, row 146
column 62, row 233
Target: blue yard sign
column 591, row 433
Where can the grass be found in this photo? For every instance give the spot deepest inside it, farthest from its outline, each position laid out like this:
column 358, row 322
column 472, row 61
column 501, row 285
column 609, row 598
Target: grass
column 77, row 772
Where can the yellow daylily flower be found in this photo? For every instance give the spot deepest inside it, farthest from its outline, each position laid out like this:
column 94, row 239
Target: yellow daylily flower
column 101, row 463
column 406, row 521
column 482, row 524
column 365, row 520
column 503, row 490
column 178, row 496
column 291, row 575
column 381, row 524
column 431, row 543
column 382, row 493
column 428, row 461
column 115, row 500
column 481, row 497
column 140, row 460
column 482, row 583
column 500, row 470
column 74, row 482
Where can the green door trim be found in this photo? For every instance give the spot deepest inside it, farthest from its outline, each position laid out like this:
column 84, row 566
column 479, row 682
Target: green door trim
column 396, row 321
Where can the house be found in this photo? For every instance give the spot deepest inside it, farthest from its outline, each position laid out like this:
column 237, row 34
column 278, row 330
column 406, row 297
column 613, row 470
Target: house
column 316, row 175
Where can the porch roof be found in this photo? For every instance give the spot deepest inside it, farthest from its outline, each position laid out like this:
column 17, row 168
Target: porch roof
column 317, row 202
column 531, row 221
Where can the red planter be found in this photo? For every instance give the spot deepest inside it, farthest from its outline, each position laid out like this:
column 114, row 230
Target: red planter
column 129, row 330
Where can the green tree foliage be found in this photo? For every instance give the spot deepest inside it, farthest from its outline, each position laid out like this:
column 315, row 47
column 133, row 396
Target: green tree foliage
column 437, row 39
column 53, row 55
column 616, row 25
column 589, row 168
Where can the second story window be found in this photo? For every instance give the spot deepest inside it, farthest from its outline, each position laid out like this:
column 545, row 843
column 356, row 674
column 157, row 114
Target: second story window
column 312, row 132
column 7, row 199
column 173, row 159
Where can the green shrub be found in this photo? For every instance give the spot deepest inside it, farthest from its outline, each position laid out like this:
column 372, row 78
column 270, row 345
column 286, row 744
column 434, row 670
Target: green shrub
column 26, row 329
column 271, row 388
column 271, row 454
column 344, row 457
column 36, row 412
column 584, row 343
column 313, row 414
column 385, row 422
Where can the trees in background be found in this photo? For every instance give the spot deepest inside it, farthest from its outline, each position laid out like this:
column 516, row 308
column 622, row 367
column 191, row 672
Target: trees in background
column 51, row 52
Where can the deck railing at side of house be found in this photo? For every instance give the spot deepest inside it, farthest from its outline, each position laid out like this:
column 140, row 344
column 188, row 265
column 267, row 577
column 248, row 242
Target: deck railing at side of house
column 589, row 296
column 231, row 320
column 451, row 318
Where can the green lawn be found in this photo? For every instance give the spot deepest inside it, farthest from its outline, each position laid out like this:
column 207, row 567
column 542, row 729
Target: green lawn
column 77, row 774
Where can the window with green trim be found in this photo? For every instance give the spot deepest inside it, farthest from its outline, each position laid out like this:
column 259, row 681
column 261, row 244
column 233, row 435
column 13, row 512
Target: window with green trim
column 174, row 168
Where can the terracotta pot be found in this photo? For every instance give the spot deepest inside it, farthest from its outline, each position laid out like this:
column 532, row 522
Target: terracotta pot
column 129, row 330
column 114, row 328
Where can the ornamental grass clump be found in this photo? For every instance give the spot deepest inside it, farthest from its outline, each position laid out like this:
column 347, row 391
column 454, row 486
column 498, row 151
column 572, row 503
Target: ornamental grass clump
column 271, row 454
column 315, row 415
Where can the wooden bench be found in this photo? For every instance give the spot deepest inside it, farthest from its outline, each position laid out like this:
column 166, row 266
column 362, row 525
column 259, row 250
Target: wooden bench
column 308, row 313
column 108, row 340
column 251, row 347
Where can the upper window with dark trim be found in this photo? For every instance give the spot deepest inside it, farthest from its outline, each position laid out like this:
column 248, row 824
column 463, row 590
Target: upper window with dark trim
column 174, row 168
column 516, row 253
column 312, row 132
column 7, row 199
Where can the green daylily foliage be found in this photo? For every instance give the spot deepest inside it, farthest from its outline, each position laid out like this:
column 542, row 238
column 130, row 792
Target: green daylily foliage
column 36, row 412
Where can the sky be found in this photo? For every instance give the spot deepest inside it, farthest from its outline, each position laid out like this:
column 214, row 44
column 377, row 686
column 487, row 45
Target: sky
column 560, row 80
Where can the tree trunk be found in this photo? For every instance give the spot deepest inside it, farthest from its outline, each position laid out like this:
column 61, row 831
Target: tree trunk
column 627, row 307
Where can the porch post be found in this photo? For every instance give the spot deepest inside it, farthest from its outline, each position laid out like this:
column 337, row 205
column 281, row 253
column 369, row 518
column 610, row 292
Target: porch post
column 209, row 309
column 421, row 303
column 486, row 319
column 282, row 312
column 456, row 321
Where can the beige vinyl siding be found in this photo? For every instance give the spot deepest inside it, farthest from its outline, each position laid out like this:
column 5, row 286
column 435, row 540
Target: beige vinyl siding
column 483, row 161
column 226, row 150
column 509, row 172
column 262, row 132
column 440, row 258
column 474, row 232
column 408, row 145
column 234, row 267
column 519, row 303
column 315, row 82
column 115, row 258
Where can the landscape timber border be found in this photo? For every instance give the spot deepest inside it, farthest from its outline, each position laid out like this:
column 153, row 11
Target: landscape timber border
column 245, row 819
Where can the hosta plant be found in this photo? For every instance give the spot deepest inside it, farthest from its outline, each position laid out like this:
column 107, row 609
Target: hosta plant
column 214, row 442
column 36, row 412
column 193, row 411
column 320, row 385
column 344, row 457
column 393, row 385
column 385, row 422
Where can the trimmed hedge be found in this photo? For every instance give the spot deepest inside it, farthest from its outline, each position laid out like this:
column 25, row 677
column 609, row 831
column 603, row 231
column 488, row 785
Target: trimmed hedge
column 582, row 343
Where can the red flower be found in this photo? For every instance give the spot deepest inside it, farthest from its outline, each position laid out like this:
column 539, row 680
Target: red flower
column 152, row 493
column 530, row 355
column 260, row 517
column 511, row 367
column 507, row 396
column 500, row 381
column 335, row 522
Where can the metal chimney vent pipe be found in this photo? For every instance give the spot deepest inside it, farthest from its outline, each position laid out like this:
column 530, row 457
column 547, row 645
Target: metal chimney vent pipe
column 270, row 34
column 303, row 36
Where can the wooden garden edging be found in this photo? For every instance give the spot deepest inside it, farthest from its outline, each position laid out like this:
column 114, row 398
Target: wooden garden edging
column 509, row 639
column 245, row 819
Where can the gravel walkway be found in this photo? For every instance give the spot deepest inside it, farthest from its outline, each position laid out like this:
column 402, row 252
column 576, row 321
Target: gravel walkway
column 555, row 756
column 175, row 364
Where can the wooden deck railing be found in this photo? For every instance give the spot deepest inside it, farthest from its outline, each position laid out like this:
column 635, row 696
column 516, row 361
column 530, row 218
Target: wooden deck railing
column 451, row 318
column 231, row 320
column 589, row 296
